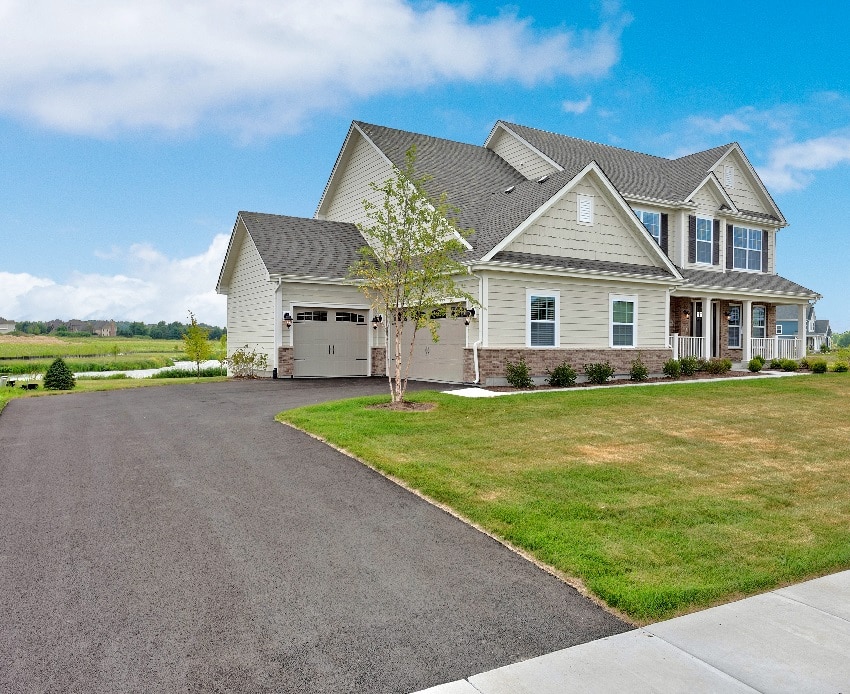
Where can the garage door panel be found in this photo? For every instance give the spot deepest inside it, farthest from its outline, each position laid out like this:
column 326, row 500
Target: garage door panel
column 329, row 342
column 437, row 361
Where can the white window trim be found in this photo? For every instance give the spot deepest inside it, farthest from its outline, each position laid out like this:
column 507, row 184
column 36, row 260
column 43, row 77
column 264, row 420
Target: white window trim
column 579, row 198
column 778, row 328
column 762, row 251
column 710, row 242
column 740, row 327
column 622, row 297
column 639, row 210
column 543, row 292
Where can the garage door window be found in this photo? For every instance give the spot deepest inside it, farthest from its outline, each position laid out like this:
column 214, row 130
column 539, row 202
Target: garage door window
column 346, row 317
column 312, row 315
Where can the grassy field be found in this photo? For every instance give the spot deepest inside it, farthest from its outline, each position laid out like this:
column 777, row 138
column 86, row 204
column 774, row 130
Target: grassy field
column 660, row 500
column 86, row 386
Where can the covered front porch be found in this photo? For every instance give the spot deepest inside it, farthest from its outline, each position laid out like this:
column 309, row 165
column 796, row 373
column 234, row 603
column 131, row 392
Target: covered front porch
column 725, row 327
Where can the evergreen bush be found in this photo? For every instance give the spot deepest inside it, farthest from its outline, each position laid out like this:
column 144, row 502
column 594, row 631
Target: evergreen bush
column 562, row 376
column 756, row 364
column 672, row 368
column 776, row 364
column 518, row 375
column 638, row 372
column 689, row 365
column 789, row 365
column 840, row 367
column 818, row 366
column 59, row 376
column 599, row 372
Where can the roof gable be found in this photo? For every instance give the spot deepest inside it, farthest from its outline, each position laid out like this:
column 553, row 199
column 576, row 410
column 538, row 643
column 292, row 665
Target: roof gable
column 754, row 184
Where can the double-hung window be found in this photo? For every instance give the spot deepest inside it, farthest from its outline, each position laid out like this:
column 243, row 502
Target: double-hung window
column 652, row 222
column 759, row 321
column 623, row 321
column 735, row 327
column 747, row 250
column 542, row 327
column 705, row 240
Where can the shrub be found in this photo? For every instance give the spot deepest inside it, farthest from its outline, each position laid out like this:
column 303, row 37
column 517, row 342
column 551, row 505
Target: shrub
column 789, row 365
column 245, row 364
column 718, row 366
column 805, row 363
column 840, row 366
column 638, row 372
column 518, row 374
column 818, row 366
column 755, row 364
column 672, row 368
column 775, row 363
column 702, row 365
column 825, row 348
column 760, row 359
column 562, row 376
column 689, row 365
column 184, row 373
column 599, row 372
column 59, row 376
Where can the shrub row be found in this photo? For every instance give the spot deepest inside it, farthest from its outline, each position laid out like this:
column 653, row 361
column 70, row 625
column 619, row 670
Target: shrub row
column 183, row 373
column 689, row 366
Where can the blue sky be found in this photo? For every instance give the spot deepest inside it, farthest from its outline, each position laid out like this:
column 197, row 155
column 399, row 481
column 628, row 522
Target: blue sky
column 131, row 133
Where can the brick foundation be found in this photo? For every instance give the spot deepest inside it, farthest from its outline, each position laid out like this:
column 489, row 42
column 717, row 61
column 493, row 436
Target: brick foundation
column 379, row 361
column 285, row 362
column 492, row 362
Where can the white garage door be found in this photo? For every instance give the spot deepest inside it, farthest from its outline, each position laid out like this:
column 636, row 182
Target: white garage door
column 330, row 342
column 438, row 361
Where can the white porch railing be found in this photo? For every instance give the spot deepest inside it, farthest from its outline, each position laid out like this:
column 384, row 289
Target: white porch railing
column 775, row 347
column 687, row 346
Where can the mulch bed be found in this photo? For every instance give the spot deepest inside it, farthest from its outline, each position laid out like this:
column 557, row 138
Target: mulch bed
column 404, row 406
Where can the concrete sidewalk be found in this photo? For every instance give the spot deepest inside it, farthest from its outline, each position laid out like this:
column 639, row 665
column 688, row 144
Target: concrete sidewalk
column 795, row 639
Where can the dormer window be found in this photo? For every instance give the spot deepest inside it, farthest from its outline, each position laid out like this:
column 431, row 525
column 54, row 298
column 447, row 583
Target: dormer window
column 652, row 222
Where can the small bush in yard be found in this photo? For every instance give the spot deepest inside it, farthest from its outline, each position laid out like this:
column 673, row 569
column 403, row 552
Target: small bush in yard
column 760, row 359
column 562, row 376
column 638, row 372
column 805, row 363
column 818, row 366
column 672, row 368
column 825, row 348
column 755, row 364
column 59, row 376
column 776, row 364
column 702, row 365
column 789, row 365
column 518, row 374
column 840, row 366
column 598, row 373
column 690, row 365
column 245, row 364
column 718, row 366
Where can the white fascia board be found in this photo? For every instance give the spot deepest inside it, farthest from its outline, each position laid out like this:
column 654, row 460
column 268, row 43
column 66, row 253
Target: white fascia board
column 226, row 271
column 756, row 179
column 560, row 272
column 741, row 294
column 660, row 202
column 311, row 279
column 712, row 179
column 501, row 125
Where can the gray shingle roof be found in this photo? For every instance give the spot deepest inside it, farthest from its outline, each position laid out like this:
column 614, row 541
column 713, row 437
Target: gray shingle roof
column 730, row 279
column 553, row 261
column 301, row 246
column 786, row 312
column 822, row 327
column 632, row 173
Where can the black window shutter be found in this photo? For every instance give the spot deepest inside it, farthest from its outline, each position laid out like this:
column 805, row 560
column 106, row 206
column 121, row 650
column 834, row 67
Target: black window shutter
column 716, row 255
column 664, row 232
column 730, row 257
column 764, row 251
column 692, row 239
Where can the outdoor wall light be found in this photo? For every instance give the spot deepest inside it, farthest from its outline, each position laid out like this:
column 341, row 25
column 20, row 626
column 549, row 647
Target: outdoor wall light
column 376, row 321
column 469, row 313
column 287, row 320
column 686, row 312
column 727, row 313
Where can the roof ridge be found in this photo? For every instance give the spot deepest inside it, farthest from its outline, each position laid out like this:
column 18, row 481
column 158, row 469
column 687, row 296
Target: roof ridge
column 411, row 132
column 704, row 151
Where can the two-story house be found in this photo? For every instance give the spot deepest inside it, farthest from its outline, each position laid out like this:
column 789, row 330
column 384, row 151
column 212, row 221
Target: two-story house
column 818, row 331
column 578, row 252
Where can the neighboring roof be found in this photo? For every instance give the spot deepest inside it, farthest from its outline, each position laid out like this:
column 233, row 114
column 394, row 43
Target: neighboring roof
column 822, row 327
column 730, row 279
column 632, row 173
column 3, row 320
column 561, row 263
column 787, row 312
column 301, row 246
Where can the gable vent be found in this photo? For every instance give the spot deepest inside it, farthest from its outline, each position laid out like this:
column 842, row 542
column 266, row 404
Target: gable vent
column 509, row 189
column 543, row 179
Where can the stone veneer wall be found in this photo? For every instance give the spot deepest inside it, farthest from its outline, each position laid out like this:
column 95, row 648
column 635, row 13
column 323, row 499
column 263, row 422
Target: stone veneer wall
column 379, row 361
column 285, row 363
column 492, row 362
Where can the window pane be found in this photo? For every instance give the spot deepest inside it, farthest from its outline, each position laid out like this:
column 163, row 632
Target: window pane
column 623, row 335
column 652, row 222
column 703, row 252
column 754, row 260
column 740, row 258
column 734, row 336
column 734, row 315
column 542, row 308
column 739, row 236
column 543, row 334
column 704, row 229
column 624, row 312
column 755, row 240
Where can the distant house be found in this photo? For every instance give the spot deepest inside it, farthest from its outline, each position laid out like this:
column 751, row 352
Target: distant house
column 102, row 328
column 6, row 326
column 818, row 332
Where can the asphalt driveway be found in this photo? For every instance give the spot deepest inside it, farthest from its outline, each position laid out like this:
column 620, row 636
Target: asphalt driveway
column 178, row 539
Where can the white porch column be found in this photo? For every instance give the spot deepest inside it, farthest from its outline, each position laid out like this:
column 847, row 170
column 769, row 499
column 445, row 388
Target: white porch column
column 675, row 340
column 747, row 331
column 707, row 327
column 801, row 330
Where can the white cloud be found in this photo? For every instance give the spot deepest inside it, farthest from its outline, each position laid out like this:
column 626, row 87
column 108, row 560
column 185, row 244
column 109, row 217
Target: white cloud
column 790, row 165
column 577, row 107
column 154, row 288
column 262, row 65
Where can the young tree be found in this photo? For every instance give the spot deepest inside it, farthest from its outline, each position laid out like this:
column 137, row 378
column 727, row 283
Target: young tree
column 59, row 376
column 195, row 343
column 409, row 267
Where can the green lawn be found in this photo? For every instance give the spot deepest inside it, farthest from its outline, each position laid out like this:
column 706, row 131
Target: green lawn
column 659, row 499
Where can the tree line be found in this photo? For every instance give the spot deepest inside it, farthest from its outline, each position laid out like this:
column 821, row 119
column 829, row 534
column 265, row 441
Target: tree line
column 155, row 331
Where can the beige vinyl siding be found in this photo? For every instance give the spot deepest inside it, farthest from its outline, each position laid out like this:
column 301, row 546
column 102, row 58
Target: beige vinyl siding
column 364, row 166
column 584, row 310
column 742, row 193
column 706, row 202
column 250, row 302
column 520, row 156
column 558, row 233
